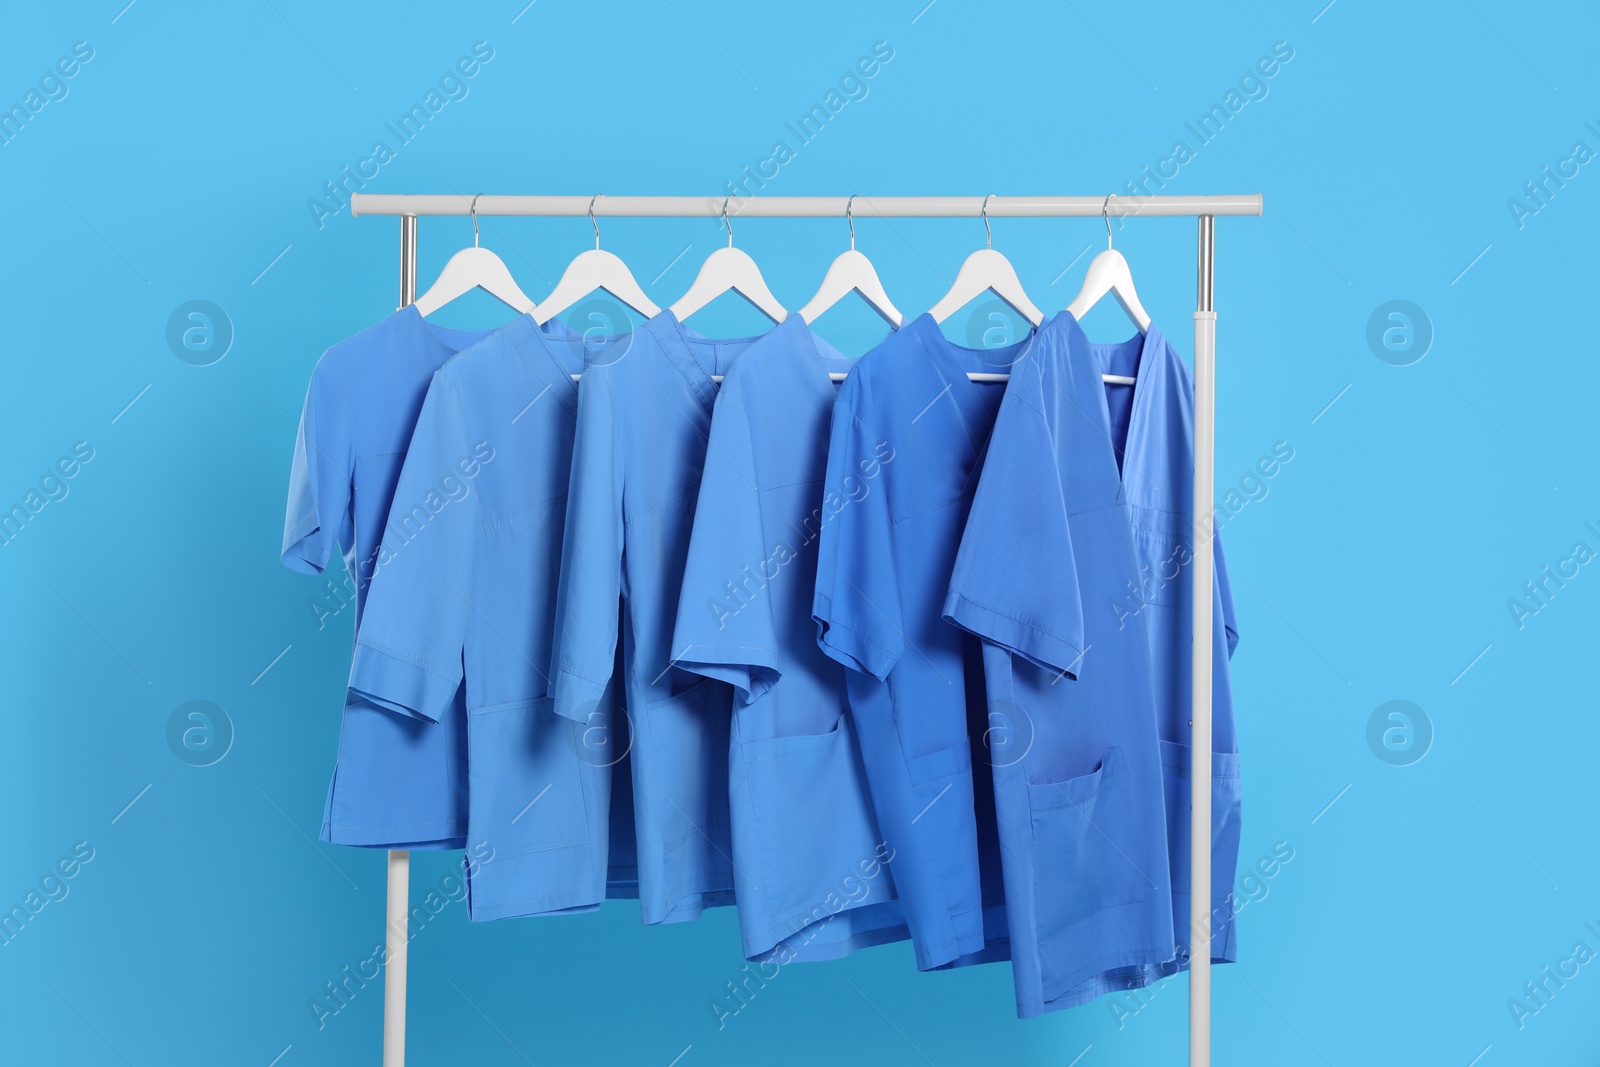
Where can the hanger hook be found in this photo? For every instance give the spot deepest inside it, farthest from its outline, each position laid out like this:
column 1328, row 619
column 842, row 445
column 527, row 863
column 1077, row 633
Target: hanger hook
column 592, row 220
column 849, row 217
column 472, row 209
column 988, row 234
column 725, row 220
column 1106, row 218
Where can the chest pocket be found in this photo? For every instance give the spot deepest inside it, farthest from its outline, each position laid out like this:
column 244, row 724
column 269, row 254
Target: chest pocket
column 1163, row 549
column 944, row 459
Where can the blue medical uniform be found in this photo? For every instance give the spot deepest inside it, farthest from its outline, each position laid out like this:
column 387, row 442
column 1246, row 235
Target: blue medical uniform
column 804, row 834
column 907, row 429
column 644, row 412
column 1045, row 557
column 399, row 782
column 464, row 594
column 1154, row 423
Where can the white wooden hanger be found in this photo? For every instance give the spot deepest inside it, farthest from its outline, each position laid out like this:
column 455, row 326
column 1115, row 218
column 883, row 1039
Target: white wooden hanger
column 592, row 270
column 729, row 270
column 986, row 271
column 852, row 272
column 473, row 268
column 1108, row 273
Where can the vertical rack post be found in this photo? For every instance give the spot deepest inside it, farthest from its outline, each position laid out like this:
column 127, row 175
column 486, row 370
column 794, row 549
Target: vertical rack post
column 408, row 259
column 1205, row 442
column 399, row 883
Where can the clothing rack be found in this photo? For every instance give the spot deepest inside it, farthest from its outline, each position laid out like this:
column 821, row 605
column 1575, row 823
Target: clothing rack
column 1204, row 208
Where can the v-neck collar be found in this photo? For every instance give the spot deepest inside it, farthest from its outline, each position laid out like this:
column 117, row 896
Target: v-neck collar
column 818, row 353
column 532, row 344
column 954, row 362
column 1089, row 359
column 680, row 343
column 522, row 334
column 447, row 338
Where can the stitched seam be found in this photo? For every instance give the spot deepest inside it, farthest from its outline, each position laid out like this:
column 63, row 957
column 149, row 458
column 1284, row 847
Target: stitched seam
column 630, row 520
column 401, row 657
column 566, row 668
column 1019, row 622
column 723, row 648
column 965, row 494
column 851, row 629
column 786, row 485
column 543, row 505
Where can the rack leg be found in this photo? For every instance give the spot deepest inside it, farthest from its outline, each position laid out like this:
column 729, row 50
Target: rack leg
column 399, row 891
column 394, row 974
column 1205, row 337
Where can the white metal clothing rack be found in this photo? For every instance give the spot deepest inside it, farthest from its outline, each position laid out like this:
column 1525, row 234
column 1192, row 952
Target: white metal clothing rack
column 1204, row 208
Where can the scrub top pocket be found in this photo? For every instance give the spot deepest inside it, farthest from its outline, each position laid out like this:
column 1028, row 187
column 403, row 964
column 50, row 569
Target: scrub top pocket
column 812, row 847
column 932, row 772
column 417, row 788
column 525, row 779
column 1081, row 867
column 535, row 806
column 1226, row 803
column 687, row 745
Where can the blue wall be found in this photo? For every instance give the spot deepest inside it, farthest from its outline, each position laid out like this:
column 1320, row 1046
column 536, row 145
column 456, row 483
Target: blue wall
column 1440, row 861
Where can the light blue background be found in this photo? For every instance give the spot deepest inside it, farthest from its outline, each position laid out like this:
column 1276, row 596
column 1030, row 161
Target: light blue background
column 1377, row 567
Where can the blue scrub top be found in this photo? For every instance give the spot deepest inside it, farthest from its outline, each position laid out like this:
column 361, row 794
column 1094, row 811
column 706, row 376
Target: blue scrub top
column 907, row 429
column 398, row 782
column 804, row 834
column 644, row 413
column 1047, row 552
column 1153, row 422
column 465, row 594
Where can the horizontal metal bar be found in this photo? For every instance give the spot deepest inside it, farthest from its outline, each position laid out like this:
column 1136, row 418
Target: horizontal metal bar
column 776, row 207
